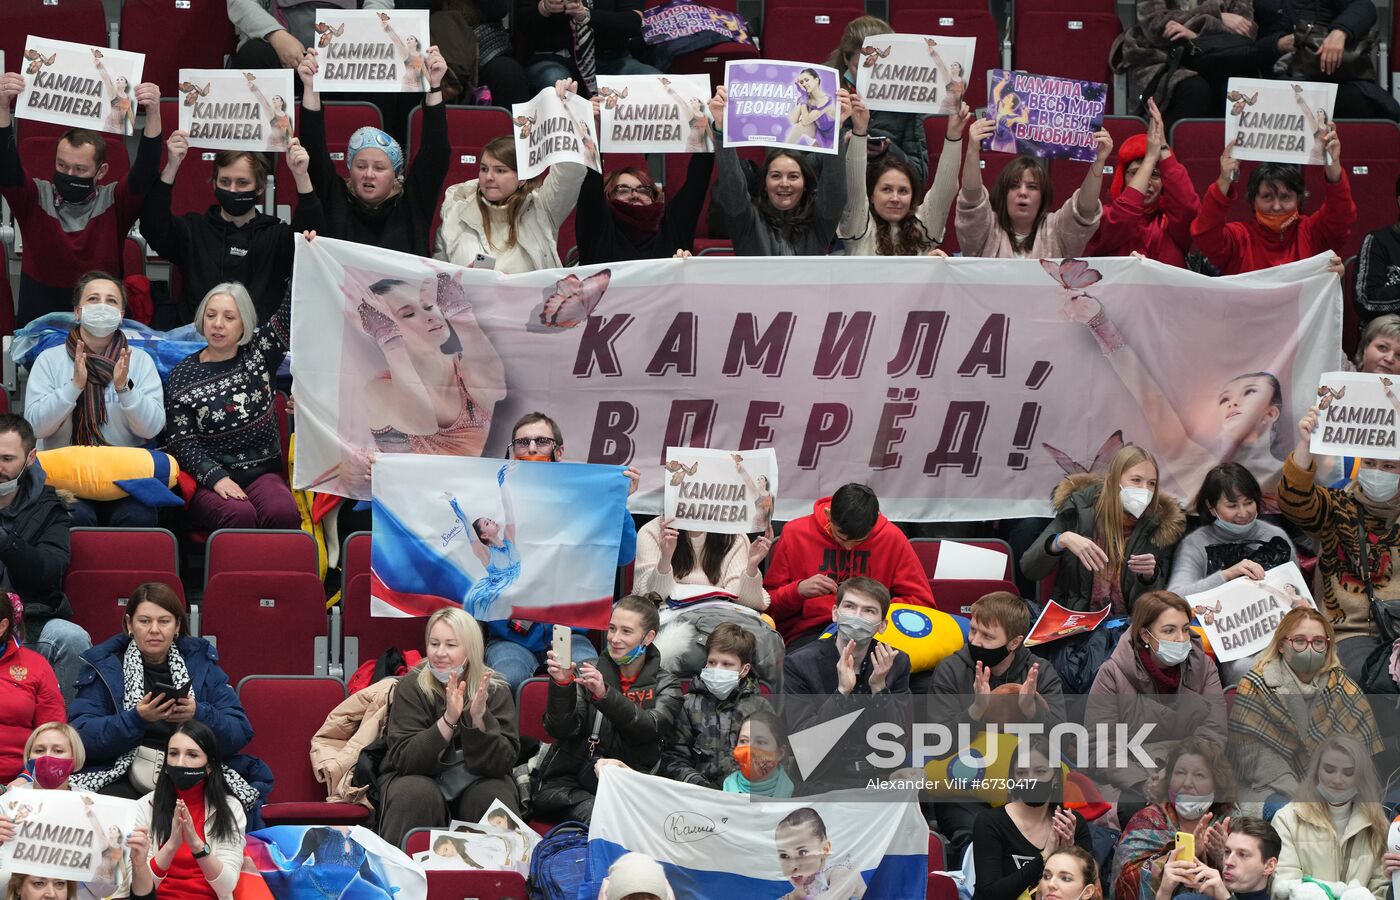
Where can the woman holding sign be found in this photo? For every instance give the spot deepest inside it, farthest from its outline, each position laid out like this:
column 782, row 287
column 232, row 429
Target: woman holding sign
column 1015, row 219
column 383, row 202
column 880, row 217
column 508, row 223
column 1278, row 232
column 795, row 213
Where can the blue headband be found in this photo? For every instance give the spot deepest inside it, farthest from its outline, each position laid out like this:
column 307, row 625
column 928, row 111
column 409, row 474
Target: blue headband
column 371, row 138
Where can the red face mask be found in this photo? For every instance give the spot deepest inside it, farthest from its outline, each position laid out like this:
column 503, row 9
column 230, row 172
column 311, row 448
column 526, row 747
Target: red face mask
column 1276, row 222
column 536, row 457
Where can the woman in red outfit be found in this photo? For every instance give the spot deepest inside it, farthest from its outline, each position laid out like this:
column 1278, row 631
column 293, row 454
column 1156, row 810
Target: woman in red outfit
column 29, row 695
column 1152, row 214
column 1278, row 233
column 197, row 824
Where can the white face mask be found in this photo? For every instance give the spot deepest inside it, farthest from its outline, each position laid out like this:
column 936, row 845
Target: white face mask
column 101, row 320
column 1378, row 485
column 1134, row 500
column 1171, row 653
column 445, row 675
column 1193, row 806
column 9, row 487
column 720, row 682
column 1336, row 798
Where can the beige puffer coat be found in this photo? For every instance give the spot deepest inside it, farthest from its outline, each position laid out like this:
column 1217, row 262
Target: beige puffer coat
column 357, row 722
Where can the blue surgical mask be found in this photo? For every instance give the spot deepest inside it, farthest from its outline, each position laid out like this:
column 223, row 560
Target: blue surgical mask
column 1234, row 529
column 632, row 655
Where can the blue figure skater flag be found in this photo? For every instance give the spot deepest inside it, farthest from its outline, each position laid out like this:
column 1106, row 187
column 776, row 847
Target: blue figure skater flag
column 503, row 539
column 322, row 862
column 716, row 844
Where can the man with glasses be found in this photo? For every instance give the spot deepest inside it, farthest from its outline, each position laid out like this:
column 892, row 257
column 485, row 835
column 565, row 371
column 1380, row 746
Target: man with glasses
column 517, row 648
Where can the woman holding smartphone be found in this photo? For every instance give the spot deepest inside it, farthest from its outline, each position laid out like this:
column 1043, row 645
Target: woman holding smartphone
column 138, row 687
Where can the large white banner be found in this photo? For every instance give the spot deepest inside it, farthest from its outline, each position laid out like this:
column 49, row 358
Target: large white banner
column 716, row 844
column 244, row 110
column 80, row 86
column 956, row 388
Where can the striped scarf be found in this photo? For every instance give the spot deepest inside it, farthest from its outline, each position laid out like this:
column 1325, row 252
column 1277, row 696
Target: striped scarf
column 91, row 412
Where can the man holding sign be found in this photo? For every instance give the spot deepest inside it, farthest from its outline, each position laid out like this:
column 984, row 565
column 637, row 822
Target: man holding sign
column 80, row 224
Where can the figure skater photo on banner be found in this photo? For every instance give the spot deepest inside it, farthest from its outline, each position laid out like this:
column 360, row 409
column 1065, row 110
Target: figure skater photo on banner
column 1008, row 111
column 1248, row 405
column 814, row 116
column 804, row 852
column 1319, row 123
column 954, row 84
column 121, row 116
column 278, row 119
column 493, row 545
column 762, row 496
column 699, row 138
column 333, row 862
column 415, row 67
column 590, row 147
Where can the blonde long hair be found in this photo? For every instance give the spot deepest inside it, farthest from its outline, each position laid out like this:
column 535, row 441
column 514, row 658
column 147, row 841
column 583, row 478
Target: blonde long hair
column 1313, row 810
column 1291, row 620
column 1108, row 510
column 469, row 634
column 503, row 149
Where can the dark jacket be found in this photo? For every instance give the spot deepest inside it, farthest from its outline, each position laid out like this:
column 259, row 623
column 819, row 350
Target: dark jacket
column 1378, row 274
column 907, row 139
column 34, row 550
column 209, row 250
column 401, row 223
column 417, row 747
column 953, row 677
column 600, row 240
column 617, row 28
column 707, row 731
column 1280, row 17
column 1157, row 532
column 1144, row 50
column 752, row 233
column 108, row 730
column 635, row 725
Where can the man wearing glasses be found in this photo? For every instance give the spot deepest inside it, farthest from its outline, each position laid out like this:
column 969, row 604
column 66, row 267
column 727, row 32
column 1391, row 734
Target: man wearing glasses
column 516, row 648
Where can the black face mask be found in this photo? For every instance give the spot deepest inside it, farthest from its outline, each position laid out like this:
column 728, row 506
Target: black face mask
column 1035, row 795
column 235, row 203
column 988, row 656
column 72, row 188
column 185, row 777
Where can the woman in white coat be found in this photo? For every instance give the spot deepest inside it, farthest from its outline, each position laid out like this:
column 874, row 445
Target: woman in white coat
column 513, row 223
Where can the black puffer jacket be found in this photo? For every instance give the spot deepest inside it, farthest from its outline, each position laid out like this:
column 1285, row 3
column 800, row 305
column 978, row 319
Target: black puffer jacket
column 34, row 550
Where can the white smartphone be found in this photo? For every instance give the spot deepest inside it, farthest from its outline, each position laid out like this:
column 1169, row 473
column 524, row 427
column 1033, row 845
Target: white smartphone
column 564, row 645
column 483, row 261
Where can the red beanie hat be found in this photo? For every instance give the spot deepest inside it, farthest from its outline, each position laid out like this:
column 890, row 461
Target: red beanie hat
column 1133, row 148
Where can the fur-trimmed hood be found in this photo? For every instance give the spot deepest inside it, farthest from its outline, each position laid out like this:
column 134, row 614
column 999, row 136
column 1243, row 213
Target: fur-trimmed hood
column 1082, row 491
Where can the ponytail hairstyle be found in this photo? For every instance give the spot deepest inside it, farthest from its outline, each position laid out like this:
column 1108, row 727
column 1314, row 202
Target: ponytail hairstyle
column 503, row 149
column 907, row 237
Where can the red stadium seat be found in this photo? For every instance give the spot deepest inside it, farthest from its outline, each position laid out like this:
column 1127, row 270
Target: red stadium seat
column 242, row 610
column 806, row 31
column 286, row 712
column 936, row 862
column 175, row 35
column 367, row 636
column 530, row 700
column 7, row 296
column 1351, row 316
column 469, row 129
column 963, row 18
column 99, row 596
column 1065, row 38
column 342, row 120
column 133, row 257
column 123, row 549
column 457, row 884
column 956, row 597
column 193, row 190
column 1371, row 158
column 259, row 550
column 79, row 21
column 926, row 549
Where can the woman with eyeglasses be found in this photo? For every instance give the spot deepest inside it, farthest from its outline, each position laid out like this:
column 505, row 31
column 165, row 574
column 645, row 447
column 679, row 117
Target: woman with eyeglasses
column 1357, row 528
column 1296, row 696
column 626, row 215
column 501, row 221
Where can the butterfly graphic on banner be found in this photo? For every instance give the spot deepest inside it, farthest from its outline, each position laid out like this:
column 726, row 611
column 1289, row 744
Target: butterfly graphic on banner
column 193, row 92
column 37, row 61
column 611, row 96
column 328, row 33
column 871, row 54
column 524, row 123
column 679, row 471
column 1326, row 394
column 1101, row 459
column 573, row 299
column 1241, row 100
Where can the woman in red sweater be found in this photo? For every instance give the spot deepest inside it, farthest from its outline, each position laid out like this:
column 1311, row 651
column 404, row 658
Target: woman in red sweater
column 1278, row 233
column 29, row 694
column 197, row 824
column 1153, row 204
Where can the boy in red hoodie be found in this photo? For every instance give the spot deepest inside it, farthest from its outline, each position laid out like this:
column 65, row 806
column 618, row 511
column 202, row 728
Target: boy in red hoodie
column 844, row 536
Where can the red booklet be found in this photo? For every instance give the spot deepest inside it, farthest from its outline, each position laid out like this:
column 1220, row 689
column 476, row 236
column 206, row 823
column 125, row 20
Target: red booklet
column 1057, row 622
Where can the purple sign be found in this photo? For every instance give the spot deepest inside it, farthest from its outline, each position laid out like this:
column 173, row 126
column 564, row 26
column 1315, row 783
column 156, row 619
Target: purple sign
column 1040, row 115
column 773, row 103
column 676, row 19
